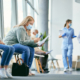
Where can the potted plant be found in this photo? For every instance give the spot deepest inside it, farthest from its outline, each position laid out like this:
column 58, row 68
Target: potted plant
column 44, row 36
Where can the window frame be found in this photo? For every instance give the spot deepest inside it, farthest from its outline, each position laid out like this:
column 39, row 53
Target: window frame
column 32, row 6
column 1, row 19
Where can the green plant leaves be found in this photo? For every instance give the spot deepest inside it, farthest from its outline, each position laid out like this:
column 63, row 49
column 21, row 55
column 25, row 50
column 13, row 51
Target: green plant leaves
column 44, row 36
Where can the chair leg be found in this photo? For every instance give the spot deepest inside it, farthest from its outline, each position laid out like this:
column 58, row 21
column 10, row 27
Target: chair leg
column 50, row 64
column 40, row 66
column 15, row 58
column 53, row 65
column 37, row 65
column 76, row 65
column 57, row 64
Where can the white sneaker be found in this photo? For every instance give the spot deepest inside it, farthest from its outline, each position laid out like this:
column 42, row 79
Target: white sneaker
column 65, row 70
column 30, row 73
column 70, row 69
column 8, row 74
column 3, row 73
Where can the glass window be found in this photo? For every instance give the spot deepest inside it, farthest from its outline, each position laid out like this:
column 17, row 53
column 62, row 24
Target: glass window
column 36, row 19
column 29, row 11
column 31, row 1
column 7, row 16
column 20, row 11
column 49, row 23
column 35, row 14
column 36, row 4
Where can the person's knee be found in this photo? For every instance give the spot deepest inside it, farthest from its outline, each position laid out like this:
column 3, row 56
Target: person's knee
column 46, row 56
column 6, row 49
column 12, row 48
column 27, row 51
column 64, row 56
column 33, row 50
column 69, row 55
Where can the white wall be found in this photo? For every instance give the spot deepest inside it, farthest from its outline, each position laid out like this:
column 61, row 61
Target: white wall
column 61, row 10
column 76, row 26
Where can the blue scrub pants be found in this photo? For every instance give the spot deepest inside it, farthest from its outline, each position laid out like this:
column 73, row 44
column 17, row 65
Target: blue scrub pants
column 67, row 53
column 27, row 53
column 7, row 54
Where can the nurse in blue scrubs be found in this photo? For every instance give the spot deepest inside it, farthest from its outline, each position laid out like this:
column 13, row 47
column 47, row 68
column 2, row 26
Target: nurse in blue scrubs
column 67, row 45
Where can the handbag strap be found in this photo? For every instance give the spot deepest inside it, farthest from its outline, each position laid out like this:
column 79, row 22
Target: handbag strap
column 19, row 61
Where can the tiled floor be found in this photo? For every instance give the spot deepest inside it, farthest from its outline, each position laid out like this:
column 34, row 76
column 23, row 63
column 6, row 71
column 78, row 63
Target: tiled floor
column 52, row 75
column 52, row 71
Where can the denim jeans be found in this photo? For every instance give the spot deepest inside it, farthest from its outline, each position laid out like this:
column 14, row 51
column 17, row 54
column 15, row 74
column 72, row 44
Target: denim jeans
column 7, row 54
column 27, row 53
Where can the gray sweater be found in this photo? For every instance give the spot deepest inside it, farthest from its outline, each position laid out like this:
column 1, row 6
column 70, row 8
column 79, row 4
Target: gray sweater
column 19, row 35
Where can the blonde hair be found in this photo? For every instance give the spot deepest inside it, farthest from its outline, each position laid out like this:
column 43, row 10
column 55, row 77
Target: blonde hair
column 25, row 21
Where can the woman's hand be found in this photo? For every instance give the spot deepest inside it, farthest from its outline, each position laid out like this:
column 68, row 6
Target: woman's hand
column 44, row 52
column 36, row 40
column 60, row 36
column 1, row 42
column 41, row 45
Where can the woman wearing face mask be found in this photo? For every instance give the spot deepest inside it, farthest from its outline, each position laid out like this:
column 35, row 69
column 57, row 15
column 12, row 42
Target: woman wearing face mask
column 67, row 45
column 20, row 38
column 34, row 34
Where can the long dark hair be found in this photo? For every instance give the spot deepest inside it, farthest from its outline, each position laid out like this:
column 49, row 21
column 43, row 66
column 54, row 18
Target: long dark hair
column 67, row 21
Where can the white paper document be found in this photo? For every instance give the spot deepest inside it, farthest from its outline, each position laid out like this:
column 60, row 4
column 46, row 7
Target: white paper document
column 61, row 32
column 49, row 52
column 43, row 41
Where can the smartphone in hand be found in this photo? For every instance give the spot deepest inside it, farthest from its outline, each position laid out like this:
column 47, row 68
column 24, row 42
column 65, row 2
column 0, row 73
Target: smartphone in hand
column 41, row 36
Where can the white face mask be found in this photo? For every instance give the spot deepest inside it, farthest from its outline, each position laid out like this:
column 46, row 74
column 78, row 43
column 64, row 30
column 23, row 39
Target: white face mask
column 29, row 27
column 36, row 35
column 70, row 24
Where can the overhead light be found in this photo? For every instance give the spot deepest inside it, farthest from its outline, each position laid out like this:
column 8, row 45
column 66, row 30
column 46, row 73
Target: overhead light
column 78, row 1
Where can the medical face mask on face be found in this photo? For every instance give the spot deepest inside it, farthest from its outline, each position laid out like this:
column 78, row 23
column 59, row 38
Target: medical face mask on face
column 70, row 24
column 29, row 27
column 36, row 35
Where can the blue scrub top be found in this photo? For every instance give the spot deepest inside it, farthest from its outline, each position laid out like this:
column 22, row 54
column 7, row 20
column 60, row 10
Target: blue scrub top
column 67, row 41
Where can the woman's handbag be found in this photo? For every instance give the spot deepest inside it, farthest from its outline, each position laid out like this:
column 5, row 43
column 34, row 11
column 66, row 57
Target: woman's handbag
column 19, row 69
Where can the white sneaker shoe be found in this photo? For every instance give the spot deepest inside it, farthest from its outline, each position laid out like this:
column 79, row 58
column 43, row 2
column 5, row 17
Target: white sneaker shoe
column 70, row 69
column 3, row 73
column 65, row 70
column 8, row 74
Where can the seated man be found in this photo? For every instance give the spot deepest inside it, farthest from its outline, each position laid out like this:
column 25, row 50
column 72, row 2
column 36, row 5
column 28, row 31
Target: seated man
column 43, row 60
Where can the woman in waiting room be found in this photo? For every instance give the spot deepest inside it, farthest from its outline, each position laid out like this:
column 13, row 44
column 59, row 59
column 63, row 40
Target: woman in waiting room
column 67, row 45
column 8, row 51
column 20, row 38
